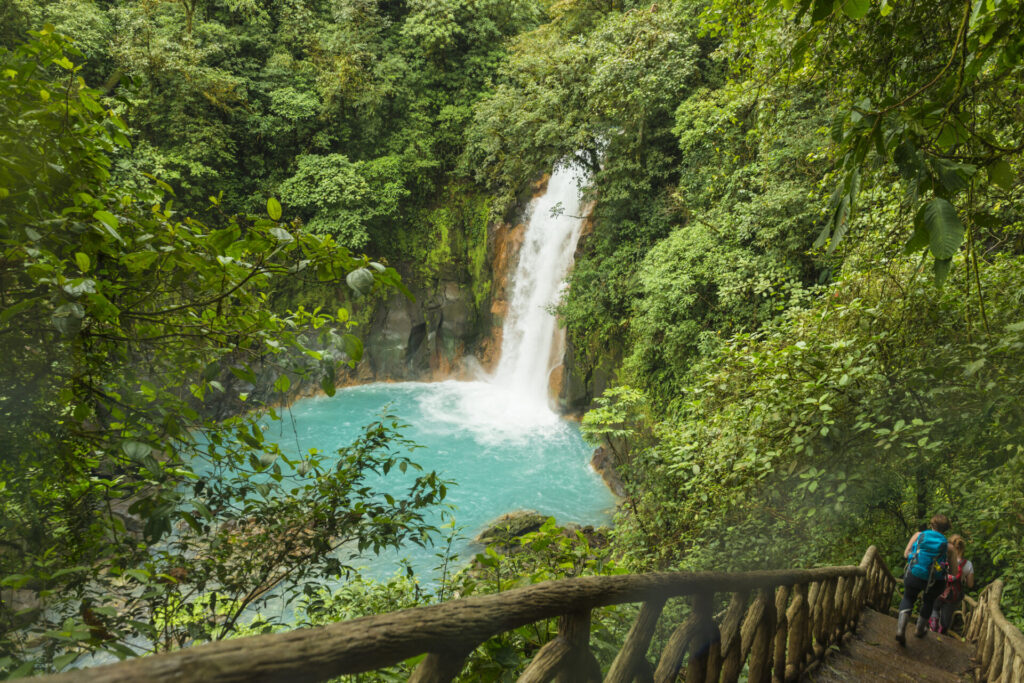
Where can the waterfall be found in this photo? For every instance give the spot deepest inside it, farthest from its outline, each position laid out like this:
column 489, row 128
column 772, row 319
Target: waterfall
column 531, row 345
column 512, row 404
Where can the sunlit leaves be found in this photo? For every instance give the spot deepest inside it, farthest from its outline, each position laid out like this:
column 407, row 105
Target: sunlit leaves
column 274, row 209
column 109, row 222
column 1000, row 173
column 855, row 9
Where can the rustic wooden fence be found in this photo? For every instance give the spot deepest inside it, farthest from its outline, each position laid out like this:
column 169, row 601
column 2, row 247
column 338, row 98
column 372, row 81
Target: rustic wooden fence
column 999, row 644
column 776, row 623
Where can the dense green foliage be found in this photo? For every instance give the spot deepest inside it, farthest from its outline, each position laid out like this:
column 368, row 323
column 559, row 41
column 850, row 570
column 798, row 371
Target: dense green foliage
column 765, row 177
column 808, row 390
column 803, row 278
column 352, row 112
column 132, row 481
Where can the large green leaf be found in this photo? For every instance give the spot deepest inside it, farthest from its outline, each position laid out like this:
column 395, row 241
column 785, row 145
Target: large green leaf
column 110, row 224
column 918, row 241
column 353, row 347
column 822, row 9
column 1000, row 173
column 941, row 269
column 841, row 222
column 274, row 208
column 855, row 9
column 945, row 230
column 953, row 176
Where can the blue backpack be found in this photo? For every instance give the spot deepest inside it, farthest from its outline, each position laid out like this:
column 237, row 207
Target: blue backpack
column 927, row 555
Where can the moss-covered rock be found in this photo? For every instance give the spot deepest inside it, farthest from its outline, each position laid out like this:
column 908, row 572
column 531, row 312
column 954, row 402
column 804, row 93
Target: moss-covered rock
column 503, row 532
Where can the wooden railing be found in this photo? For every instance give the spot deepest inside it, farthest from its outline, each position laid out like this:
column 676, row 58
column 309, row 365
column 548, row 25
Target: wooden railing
column 775, row 622
column 999, row 644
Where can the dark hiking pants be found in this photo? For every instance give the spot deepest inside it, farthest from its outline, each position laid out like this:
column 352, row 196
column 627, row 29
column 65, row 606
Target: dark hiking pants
column 913, row 586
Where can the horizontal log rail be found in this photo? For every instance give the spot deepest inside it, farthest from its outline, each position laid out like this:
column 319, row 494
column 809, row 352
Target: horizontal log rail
column 999, row 644
column 774, row 622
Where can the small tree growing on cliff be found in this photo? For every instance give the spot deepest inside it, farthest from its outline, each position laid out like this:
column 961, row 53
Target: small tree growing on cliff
column 616, row 420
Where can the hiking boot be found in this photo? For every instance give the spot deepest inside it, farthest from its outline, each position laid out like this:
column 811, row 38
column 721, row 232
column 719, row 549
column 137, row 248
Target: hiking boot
column 901, row 627
column 922, row 627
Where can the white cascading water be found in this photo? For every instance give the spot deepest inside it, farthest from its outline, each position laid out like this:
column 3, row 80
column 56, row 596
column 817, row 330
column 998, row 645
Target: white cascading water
column 514, row 403
column 530, row 346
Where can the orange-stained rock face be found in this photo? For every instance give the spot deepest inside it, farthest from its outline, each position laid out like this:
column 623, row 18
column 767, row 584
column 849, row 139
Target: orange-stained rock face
column 541, row 186
column 506, row 242
column 490, row 350
column 555, row 381
column 588, row 223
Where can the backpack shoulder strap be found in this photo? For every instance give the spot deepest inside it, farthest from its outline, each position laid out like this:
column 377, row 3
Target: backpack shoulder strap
column 914, row 550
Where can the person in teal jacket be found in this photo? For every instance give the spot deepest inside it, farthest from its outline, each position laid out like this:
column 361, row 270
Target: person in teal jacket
column 926, row 554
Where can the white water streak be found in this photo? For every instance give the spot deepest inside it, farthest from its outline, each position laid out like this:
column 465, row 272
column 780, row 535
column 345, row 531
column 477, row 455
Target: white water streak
column 513, row 403
column 531, row 345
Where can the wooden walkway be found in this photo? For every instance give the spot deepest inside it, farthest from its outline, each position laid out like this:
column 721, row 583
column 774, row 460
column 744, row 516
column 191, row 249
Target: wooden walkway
column 785, row 626
column 874, row 655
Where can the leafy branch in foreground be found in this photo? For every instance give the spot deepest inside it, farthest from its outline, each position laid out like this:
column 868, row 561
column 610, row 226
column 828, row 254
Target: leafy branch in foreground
column 140, row 344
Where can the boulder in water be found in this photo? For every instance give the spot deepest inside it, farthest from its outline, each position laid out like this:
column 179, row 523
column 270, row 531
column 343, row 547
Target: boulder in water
column 504, row 531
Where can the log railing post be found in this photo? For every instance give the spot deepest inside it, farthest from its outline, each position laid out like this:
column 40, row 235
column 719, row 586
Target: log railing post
column 859, row 601
column 820, row 619
column 828, row 614
column 797, row 616
column 807, row 642
column 633, row 654
column 706, row 638
column 440, row 667
column 763, row 648
column 671, row 660
column 750, row 623
column 839, row 621
column 781, row 626
column 546, row 663
column 580, row 664
column 996, row 665
column 987, row 649
column 732, row 663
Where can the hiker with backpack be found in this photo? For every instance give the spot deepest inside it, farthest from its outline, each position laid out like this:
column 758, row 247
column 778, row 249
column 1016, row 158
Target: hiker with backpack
column 959, row 578
column 926, row 553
